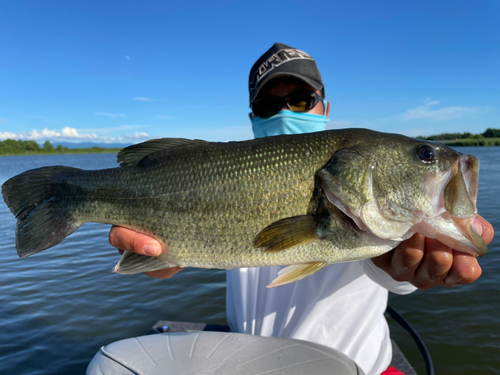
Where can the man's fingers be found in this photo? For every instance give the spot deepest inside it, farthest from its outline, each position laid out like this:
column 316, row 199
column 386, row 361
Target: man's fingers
column 484, row 228
column 384, row 261
column 407, row 257
column 465, row 269
column 402, row 262
column 435, row 266
column 166, row 273
column 126, row 239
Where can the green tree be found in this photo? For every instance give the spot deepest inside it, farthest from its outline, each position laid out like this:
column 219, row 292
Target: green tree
column 47, row 146
column 30, row 145
column 491, row 133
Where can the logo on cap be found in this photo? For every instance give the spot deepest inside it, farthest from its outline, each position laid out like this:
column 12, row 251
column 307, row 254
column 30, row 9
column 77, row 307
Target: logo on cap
column 276, row 59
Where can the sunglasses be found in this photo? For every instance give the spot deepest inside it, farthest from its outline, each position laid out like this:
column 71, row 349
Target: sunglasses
column 298, row 101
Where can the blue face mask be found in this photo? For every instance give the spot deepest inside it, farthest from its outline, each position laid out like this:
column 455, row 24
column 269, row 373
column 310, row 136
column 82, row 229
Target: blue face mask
column 288, row 122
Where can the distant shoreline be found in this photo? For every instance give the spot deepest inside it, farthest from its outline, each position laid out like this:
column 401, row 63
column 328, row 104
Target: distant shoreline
column 12, row 147
column 474, row 142
column 93, row 150
column 490, row 137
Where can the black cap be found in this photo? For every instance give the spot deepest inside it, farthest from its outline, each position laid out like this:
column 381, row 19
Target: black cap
column 281, row 60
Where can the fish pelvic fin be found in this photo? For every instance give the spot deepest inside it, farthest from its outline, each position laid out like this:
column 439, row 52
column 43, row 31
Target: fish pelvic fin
column 132, row 263
column 296, row 272
column 35, row 200
column 289, row 232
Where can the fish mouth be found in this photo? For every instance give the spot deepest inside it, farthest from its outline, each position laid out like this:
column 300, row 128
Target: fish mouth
column 455, row 209
column 460, row 196
column 466, row 226
column 451, row 221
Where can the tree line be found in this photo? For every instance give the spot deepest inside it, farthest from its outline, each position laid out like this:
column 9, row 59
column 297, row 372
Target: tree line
column 489, row 133
column 20, row 147
column 13, row 147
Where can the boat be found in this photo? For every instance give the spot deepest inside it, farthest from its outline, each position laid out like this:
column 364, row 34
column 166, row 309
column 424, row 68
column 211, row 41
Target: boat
column 173, row 347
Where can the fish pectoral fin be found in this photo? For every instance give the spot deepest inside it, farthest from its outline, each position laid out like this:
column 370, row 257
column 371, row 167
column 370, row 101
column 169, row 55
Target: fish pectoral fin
column 132, row 263
column 289, row 232
column 296, row 272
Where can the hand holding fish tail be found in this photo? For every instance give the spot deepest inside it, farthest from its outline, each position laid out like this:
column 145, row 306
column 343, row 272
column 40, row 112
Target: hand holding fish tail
column 426, row 262
column 129, row 240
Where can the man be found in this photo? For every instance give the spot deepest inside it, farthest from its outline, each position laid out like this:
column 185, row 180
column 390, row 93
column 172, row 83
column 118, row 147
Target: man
column 341, row 306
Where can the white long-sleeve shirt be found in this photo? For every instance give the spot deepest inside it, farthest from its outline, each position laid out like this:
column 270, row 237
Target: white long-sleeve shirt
column 341, row 306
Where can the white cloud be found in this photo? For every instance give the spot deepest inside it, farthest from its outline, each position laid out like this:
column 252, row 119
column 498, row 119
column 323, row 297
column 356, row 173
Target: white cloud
column 68, row 134
column 137, row 135
column 71, row 132
column 142, row 99
column 114, row 115
column 35, row 135
column 7, row 135
column 127, row 57
column 441, row 114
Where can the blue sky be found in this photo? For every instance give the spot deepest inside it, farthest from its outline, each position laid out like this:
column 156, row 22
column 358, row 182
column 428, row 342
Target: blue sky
column 127, row 71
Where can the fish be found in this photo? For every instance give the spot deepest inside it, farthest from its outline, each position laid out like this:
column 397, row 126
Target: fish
column 303, row 201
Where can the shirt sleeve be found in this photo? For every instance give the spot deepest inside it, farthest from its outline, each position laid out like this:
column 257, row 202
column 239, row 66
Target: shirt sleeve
column 386, row 281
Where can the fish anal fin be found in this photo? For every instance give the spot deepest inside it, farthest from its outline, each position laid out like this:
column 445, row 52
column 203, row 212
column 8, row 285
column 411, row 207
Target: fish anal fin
column 288, row 232
column 131, row 156
column 132, row 263
column 296, row 272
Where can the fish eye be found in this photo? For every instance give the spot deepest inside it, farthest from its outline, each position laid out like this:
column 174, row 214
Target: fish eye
column 426, row 153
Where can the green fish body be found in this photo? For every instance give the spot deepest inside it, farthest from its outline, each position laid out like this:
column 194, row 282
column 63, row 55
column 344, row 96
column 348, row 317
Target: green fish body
column 304, row 200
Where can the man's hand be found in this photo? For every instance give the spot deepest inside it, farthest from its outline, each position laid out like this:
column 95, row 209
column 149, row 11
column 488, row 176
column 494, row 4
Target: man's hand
column 426, row 262
column 126, row 239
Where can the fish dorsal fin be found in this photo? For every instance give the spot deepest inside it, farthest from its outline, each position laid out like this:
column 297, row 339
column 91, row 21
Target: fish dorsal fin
column 131, row 156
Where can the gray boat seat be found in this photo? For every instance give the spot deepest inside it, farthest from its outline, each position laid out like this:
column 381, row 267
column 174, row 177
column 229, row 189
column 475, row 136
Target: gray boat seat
column 221, row 353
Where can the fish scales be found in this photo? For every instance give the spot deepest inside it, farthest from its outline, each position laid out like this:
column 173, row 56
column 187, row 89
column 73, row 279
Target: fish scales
column 208, row 213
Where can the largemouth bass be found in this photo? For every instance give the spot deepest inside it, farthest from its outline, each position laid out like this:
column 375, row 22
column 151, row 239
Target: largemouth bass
column 306, row 200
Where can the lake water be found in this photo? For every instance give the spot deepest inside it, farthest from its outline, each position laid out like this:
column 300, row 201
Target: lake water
column 57, row 308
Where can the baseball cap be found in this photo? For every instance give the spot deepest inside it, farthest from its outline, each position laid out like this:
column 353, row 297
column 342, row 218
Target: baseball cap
column 282, row 60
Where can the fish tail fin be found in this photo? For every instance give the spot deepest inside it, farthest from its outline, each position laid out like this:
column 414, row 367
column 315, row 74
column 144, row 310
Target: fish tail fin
column 34, row 197
column 132, row 263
